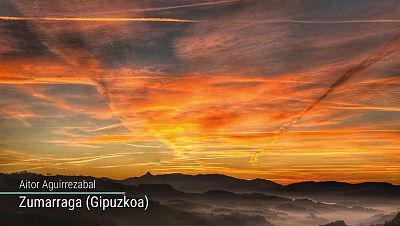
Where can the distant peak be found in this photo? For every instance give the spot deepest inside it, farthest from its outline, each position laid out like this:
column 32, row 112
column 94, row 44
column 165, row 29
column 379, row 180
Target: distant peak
column 148, row 174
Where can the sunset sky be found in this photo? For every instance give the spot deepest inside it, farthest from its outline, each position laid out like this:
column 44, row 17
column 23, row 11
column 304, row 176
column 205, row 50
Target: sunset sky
column 282, row 90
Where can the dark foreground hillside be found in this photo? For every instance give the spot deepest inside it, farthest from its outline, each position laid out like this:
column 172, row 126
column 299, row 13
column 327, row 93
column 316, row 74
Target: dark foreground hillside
column 157, row 214
column 170, row 206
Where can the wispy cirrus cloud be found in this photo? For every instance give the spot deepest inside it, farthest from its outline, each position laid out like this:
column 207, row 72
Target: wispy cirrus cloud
column 88, row 89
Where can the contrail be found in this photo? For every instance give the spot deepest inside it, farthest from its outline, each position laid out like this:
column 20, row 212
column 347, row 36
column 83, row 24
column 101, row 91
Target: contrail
column 337, row 21
column 326, row 22
column 162, row 19
column 164, row 8
column 96, row 19
column 389, row 48
column 174, row 7
column 186, row 6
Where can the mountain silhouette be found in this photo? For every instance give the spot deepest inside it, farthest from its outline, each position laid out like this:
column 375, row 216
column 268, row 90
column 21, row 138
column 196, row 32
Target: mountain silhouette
column 212, row 206
column 158, row 213
column 311, row 189
column 366, row 188
column 394, row 222
column 336, row 223
column 205, row 182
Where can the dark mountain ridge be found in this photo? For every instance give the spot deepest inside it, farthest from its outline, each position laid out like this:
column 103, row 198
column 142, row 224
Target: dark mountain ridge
column 213, row 206
column 206, row 182
column 159, row 214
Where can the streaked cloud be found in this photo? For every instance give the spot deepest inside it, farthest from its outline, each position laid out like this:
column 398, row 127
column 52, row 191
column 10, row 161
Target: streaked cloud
column 199, row 87
column 94, row 19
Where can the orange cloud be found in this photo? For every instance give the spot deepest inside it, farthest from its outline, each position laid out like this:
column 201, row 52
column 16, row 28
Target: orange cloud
column 93, row 19
column 196, row 97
